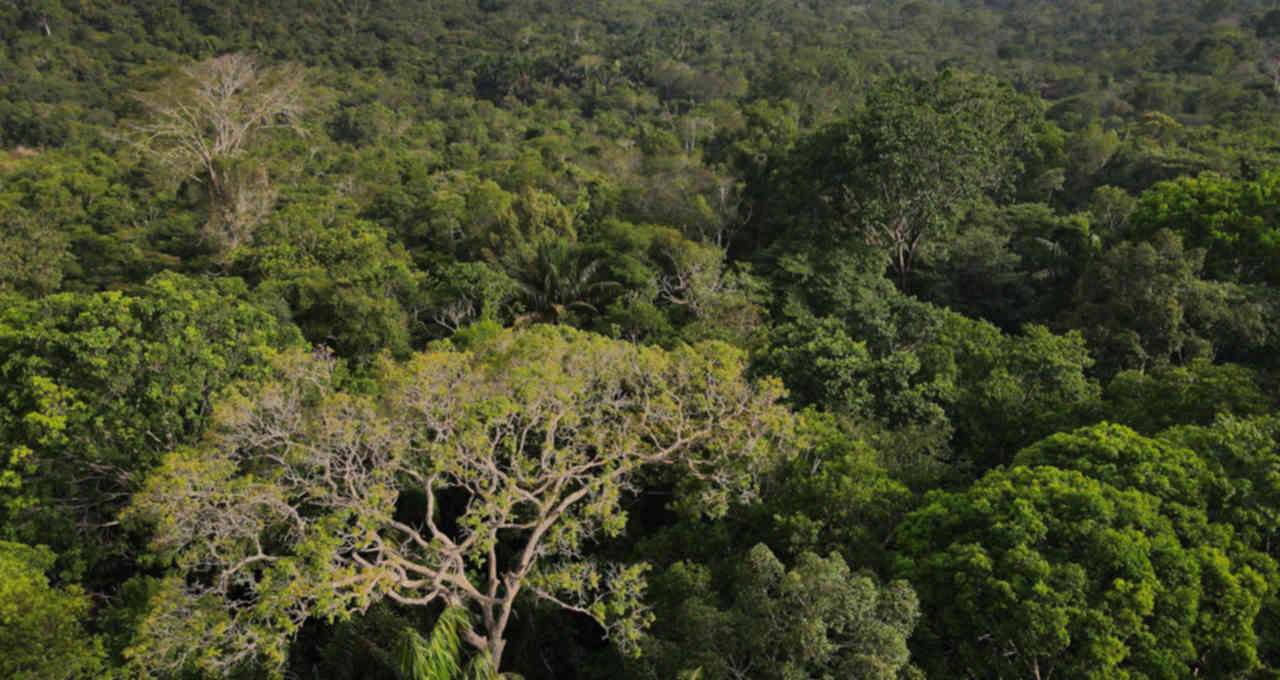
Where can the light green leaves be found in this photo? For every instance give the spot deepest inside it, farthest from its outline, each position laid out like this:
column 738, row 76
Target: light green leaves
column 41, row 637
column 100, row 386
column 474, row 477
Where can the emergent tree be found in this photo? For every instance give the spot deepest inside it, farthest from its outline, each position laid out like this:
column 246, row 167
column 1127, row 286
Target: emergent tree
column 203, row 119
column 473, row 478
column 918, row 155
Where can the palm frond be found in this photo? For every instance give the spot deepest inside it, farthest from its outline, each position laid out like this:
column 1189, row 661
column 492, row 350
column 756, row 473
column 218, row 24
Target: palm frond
column 481, row 667
column 437, row 657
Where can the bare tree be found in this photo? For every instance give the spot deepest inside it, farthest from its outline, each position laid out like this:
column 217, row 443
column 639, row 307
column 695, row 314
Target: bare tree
column 477, row 480
column 691, row 125
column 205, row 118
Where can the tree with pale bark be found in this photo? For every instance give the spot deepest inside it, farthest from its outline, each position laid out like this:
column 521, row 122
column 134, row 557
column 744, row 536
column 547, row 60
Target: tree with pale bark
column 474, row 478
column 201, row 121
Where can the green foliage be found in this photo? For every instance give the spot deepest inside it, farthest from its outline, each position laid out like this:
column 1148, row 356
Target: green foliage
column 41, row 626
column 1241, row 456
column 463, row 292
column 662, row 173
column 906, row 166
column 1111, row 208
column 345, row 283
column 32, row 255
column 561, row 281
column 291, row 503
column 440, row 656
column 74, row 222
column 839, row 495
column 1118, row 456
column 98, row 387
column 1009, row 265
column 1193, row 394
column 824, row 367
column 1230, row 218
column 1040, row 570
column 666, row 287
column 1144, row 305
column 1010, row 390
column 1233, row 578
column 815, row 620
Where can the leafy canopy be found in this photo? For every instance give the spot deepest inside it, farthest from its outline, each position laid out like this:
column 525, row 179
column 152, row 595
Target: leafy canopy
column 472, row 478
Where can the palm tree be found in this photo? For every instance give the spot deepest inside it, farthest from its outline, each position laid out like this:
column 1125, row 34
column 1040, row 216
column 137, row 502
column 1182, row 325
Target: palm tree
column 440, row 657
column 559, row 279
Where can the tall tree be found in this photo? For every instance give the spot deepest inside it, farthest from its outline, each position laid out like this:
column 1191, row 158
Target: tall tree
column 476, row 478
column 206, row 117
column 910, row 162
column 1187, row 485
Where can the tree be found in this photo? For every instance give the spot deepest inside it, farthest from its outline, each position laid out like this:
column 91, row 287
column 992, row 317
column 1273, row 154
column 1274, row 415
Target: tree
column 1110, row 208
column 1010, row 390
column 915, row 158
column 815, row 620
column 32, row 253
column 1144, row 305
column 1125, row 459
column 41, row 637
column 837, row 495
column 1040, row 572
column 69, row 222
column 1244, row 492
column 562, row 281
column 208, row 116
column 667, row 286
column 824, row 367
column 1192, row 394
column 1244, row 464
column 463, row 292
column 1269, row 63
column 346, row 281
column 99, row 387
column 440, row 656
column 1009, row 265
column 1232, row 220
column 474, row 478
column 1231, row 574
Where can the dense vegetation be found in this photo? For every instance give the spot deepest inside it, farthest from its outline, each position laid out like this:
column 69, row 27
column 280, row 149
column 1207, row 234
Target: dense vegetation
column 639, row 339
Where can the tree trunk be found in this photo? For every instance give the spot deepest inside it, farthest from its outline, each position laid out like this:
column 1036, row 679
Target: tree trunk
column 496, row 646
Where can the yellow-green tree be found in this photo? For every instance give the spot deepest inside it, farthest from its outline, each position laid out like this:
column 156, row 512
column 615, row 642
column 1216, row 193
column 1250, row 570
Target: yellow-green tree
column 474, row 478
column 41, row 637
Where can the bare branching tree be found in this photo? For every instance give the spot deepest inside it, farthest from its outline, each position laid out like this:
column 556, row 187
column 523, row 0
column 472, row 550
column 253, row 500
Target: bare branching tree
column 201, row 121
